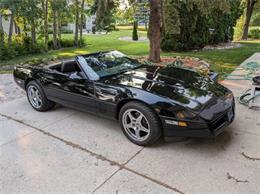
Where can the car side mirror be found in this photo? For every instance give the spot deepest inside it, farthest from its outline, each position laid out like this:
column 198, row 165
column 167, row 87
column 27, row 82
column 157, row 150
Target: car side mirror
column 78, row 76
column 81, row 75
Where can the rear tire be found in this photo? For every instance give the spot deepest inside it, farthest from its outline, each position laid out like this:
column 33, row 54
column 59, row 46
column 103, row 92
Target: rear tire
column 139, row 123
column 37, row 97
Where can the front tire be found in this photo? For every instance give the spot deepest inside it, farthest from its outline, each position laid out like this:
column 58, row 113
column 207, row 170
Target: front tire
column 139, row 123
column 37, row 98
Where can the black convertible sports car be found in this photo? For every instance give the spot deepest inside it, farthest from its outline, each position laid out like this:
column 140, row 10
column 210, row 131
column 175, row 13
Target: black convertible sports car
column 148, row 101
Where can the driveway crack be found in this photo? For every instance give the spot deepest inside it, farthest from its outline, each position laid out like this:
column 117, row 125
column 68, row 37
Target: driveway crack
column 249, row 157
column 138, row 152
column 105, row 181
column 132, row 157
column 235, row 179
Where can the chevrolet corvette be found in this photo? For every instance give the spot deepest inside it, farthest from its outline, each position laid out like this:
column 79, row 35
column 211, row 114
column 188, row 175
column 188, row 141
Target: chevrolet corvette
column 148, row 101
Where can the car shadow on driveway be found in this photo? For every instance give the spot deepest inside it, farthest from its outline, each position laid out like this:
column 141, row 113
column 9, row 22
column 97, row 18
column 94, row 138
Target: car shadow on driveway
column 205, row 145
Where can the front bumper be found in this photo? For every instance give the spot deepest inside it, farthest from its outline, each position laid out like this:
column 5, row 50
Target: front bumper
column 202, row 129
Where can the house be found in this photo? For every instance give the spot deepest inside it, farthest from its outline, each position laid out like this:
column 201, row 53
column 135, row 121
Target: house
column 88, row 24
column 6, row 23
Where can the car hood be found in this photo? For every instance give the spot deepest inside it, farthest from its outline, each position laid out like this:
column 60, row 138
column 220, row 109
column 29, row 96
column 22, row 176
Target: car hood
column 182, row 86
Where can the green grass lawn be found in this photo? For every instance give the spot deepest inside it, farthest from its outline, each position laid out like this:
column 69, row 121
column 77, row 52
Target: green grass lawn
column 221, row 60
column 254, row 27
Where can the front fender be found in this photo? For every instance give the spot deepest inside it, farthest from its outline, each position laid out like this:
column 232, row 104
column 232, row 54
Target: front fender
column 162, row 106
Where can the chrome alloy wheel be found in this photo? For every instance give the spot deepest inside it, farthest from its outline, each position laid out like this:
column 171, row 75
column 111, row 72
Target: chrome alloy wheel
column 136, row 125
column 34, row 97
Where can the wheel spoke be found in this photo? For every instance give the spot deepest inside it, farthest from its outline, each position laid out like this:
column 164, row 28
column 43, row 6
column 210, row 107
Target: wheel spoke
column 139, row 118
column 38, row 95
column 38, row 98
column 33, row 93
column 131, row 117
column 137, row 134
column 144, row 129
column 129, row 125
column 37, row 102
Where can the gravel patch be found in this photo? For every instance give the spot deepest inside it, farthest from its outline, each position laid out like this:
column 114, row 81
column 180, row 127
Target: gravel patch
column 222, row 46
column 6, row 67
column 129, row 39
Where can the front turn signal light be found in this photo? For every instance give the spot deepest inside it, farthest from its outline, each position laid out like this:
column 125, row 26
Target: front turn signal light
column 182, row 124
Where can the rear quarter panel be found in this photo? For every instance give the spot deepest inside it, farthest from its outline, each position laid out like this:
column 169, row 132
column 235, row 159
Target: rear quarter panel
column 22, row 74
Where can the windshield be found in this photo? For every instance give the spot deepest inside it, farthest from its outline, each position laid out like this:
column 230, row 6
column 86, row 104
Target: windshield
column 111, row 63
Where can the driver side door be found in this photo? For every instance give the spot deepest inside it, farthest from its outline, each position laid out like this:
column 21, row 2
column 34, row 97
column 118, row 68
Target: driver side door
column 80, row 94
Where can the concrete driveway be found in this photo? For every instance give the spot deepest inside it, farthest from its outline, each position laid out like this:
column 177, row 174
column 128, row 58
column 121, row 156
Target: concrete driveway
column 66, row 151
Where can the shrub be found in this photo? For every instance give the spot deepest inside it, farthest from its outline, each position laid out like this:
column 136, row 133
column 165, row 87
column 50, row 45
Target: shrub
column 20, row 45
column 66, row 43
column 192, row 30
column 7, row 52
column 66, row 31
column 63, row 31
column 255, row 20
column 187, row 23
column 172, row 42
column 254, row 33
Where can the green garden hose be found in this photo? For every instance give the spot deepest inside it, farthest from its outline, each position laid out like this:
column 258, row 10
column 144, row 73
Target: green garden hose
column 251, row 68
column 243, row 98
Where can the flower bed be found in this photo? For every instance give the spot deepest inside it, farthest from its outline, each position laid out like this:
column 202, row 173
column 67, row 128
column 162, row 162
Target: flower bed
column 194, row 64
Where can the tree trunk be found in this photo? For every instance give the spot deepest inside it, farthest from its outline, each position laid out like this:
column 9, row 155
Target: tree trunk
column 18, row 30
column 45, row 25
column 135, row 31
column 25, row 28
column 11, row 27
column 163, row 18
column 15, row 28
column 145, row 25
column 1, row 31
column 76, row 37
column 249, row 12
column 154, row 31
column 54, row 40
column 81, row 22
column 33, row 33
column 59, row 30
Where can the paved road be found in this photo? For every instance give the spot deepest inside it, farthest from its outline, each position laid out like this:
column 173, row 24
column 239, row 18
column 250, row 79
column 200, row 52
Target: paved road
column 66, row 151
